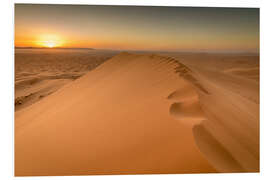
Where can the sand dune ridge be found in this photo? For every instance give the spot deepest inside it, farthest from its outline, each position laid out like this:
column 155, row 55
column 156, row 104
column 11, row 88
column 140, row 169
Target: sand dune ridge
column 126, row 115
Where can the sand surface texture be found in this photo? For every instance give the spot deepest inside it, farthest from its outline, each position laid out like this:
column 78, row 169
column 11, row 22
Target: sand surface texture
column 144, row 113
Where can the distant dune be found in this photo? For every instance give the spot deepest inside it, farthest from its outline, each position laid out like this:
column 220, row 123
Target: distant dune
column 252, row 73
column 143, row 114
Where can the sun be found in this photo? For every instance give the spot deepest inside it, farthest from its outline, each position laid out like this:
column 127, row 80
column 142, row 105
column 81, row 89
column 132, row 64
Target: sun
column 50, row 44
column 49, row 41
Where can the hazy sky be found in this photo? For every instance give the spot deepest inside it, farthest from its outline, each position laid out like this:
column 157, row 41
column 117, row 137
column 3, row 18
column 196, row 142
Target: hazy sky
column 137, row 27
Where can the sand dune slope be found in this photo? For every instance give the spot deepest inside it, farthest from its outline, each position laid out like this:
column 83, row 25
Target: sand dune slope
column 41, row 72
column 114, row 120
column 140, row 114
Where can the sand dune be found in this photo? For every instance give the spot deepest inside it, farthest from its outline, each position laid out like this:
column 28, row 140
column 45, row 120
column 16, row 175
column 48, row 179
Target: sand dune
column 140, row 114
column 40, row 72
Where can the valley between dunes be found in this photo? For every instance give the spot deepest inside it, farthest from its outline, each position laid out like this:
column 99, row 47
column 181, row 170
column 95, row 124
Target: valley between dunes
column 143, row 114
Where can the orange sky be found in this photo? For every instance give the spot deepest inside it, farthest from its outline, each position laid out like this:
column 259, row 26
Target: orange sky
column 138, row 28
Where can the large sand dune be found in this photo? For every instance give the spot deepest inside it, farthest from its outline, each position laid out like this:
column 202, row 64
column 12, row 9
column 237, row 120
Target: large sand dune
column 141, row 114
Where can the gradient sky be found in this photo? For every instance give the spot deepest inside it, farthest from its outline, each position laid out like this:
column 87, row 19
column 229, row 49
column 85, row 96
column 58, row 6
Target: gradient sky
column 138, row 27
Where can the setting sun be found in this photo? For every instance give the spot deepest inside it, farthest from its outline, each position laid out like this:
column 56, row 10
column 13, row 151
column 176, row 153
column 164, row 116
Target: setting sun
column 49, row 41
column 49, row 44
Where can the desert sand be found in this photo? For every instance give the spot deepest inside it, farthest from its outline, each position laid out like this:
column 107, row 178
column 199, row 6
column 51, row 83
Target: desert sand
column 139, row 113
column 40, row 72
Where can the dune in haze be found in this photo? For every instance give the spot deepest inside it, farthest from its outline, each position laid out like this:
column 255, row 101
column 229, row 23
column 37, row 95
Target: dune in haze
column 140, row 114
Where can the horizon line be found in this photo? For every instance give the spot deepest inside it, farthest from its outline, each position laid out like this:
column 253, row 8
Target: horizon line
column 143, row 50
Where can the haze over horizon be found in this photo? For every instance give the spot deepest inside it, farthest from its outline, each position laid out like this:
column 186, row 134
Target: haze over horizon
column 137, row 27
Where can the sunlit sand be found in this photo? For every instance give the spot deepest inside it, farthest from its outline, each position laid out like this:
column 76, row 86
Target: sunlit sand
column 137, row 113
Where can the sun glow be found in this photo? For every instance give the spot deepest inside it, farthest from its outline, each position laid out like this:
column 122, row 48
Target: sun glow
column 49, row 44
column 49, row 41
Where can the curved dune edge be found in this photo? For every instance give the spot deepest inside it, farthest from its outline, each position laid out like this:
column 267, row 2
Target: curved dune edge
column 186, row 107
column 224, row 131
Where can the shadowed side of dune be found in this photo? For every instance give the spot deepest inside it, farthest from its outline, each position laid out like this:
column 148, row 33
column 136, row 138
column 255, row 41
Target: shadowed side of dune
column 189, row 113
column 186, row 107
column 225, row 125
column 214, row 151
